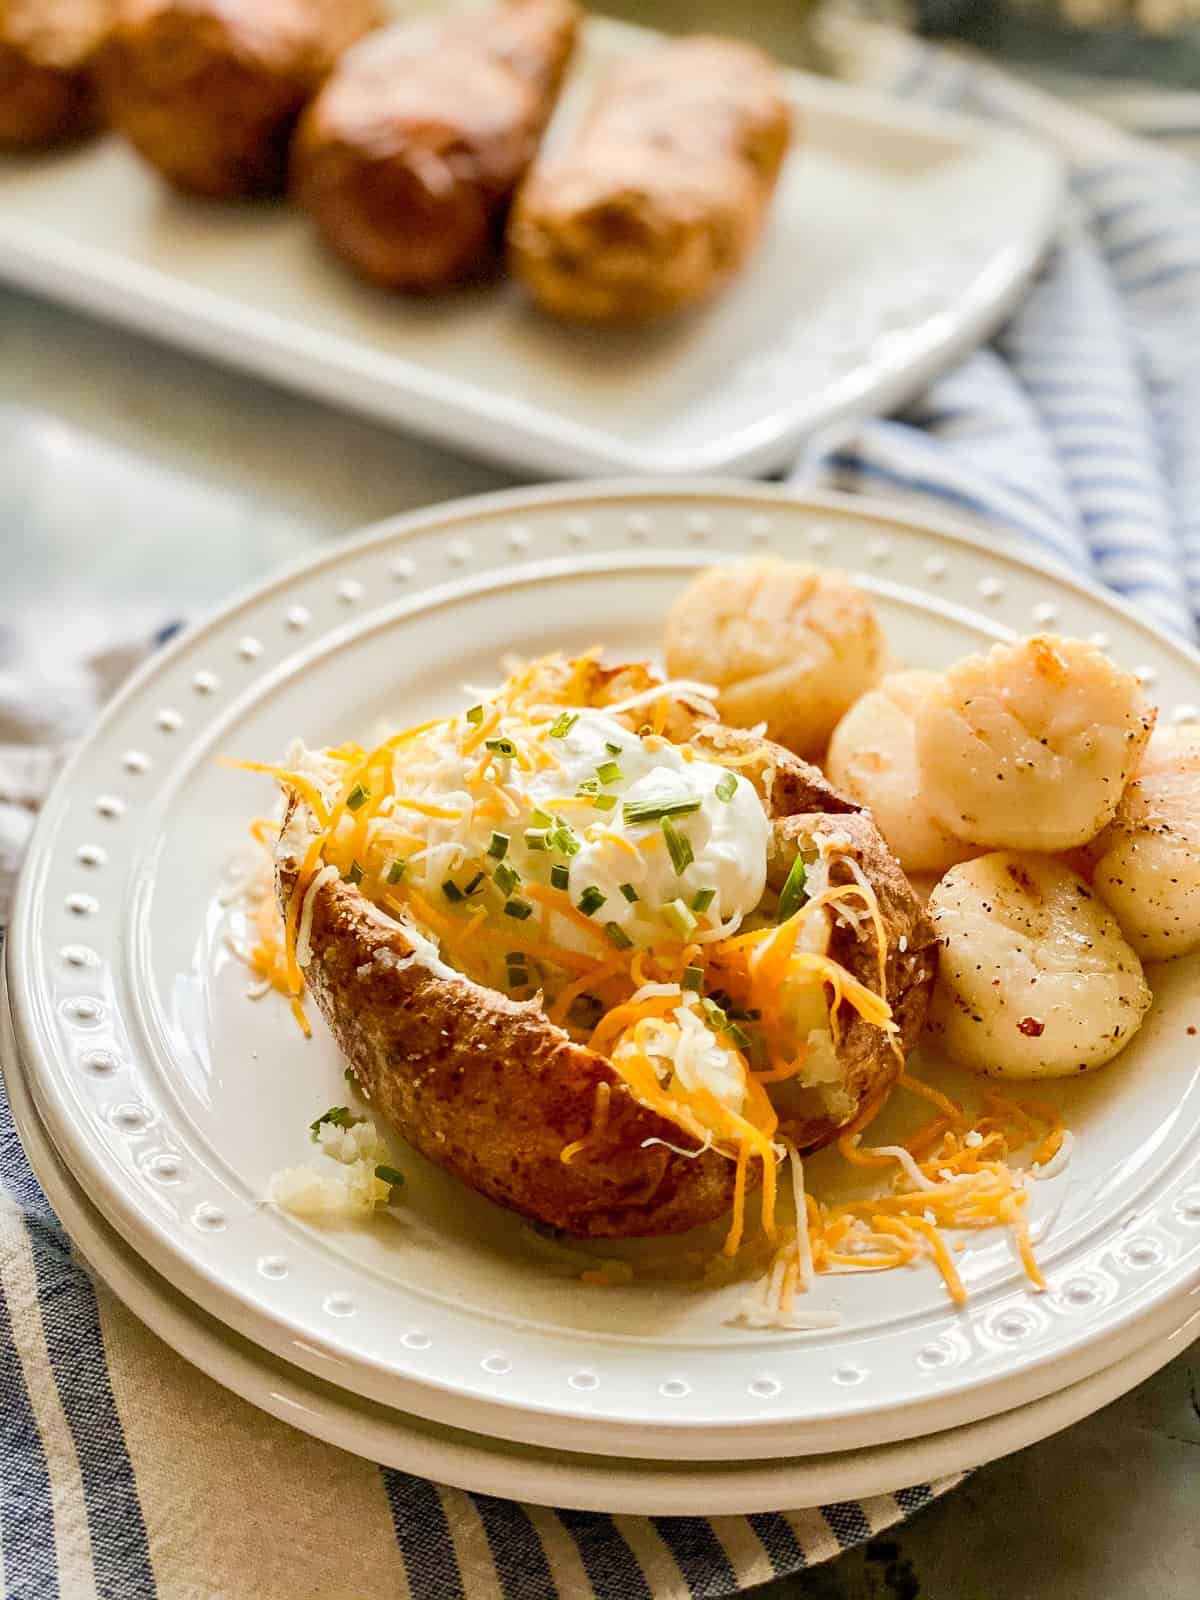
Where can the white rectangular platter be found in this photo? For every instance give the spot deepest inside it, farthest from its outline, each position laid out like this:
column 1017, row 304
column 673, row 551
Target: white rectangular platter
column 898, row 239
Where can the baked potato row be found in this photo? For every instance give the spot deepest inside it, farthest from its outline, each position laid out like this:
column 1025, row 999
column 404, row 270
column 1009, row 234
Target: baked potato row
column 491, row 1090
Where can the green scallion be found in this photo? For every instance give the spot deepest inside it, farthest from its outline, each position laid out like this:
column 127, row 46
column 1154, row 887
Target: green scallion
column 656, row 810
column 535, row 839
column 336, row 1116
column 613, row 749
column 680, row 918
column 563, row 839
column 358, row 797
column 604, row 802
column 562, row 724
column 793, row 895
column 520, row 909
column 630, row 893
column 389, row 1175
column 540, row 819
column 727, row 787
column 475, row 715
column 501, row 747
column 560, row 876
column 474, row 884
column 505, row 879
column 591, row 900
column 589, row 786
column 679, row 846
column 355, row 875
column 396, row 870
column 703, row 898
column 693, row 979
column 498, row 848
column 617, row 935
column 452, row 892
column 609, row 772
column 738, row 1036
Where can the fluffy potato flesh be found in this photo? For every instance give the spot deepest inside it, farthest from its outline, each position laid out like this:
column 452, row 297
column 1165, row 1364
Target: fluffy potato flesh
column 873, row 757
column 1035, row 977
column 1147, row 861
column 785, row 644
column 1031, row 746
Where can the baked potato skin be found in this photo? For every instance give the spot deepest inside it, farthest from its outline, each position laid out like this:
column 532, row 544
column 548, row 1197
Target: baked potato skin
column 47, row 52
column 408, row 158
column 208, row 91
column 663, row 194
column 490, row 1090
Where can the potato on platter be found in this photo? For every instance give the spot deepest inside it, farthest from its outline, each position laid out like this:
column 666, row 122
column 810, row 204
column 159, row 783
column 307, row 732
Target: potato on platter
column 873, row 756
column 1146, row 863
column 47, row 52
column 1030, row 746
column 1035, row 978
column 784, row 644
column 596, row 972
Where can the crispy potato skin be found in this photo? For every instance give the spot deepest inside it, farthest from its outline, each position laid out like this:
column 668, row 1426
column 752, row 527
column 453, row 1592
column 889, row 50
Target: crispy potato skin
column 47, row 52
column 408, row 158
column 491, row 1090
column 664, row 192
column 208, row 91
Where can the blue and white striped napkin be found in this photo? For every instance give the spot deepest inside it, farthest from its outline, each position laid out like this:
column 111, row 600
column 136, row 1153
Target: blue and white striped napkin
column 124, row 1473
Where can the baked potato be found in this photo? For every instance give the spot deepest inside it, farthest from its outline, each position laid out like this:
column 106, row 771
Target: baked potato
column 763, row 970
column 47, row 52
column 408, row 158
column 208, row 92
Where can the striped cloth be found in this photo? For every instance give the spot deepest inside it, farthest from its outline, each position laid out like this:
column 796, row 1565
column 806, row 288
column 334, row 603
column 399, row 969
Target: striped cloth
column 124, row 1473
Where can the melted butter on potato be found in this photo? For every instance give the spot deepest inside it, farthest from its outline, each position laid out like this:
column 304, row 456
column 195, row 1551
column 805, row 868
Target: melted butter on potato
column 1147, row 861
column 1035, row 979
column 785, row 644
column 1030, row 746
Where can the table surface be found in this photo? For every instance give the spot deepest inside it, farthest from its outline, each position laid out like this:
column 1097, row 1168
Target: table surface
column 138, row 485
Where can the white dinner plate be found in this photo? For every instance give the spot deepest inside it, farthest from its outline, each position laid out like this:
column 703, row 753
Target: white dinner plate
column 558, row 1478
column 174, row 1098
column 899, row 237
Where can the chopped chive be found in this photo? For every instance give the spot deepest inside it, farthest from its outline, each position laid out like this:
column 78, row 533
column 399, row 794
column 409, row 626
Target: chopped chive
column 618, row 936
column 656, row 810
column 604, row 802
column 630, row 893
column 475, row 715
column 336, row 1116
column 738, row 1035
column 562, row 724
column 591, row 900
column 679, row 847
column 703, row 898
column 355, row 875
column 397, row 870
column 793, row 895
column 680, row 918
column 613, row 749
column 716, row 1017
column 498, row 848
column 589, row 786
column 560, row 876
column 727, row 787
column 518, row 908
column 358, row 797
column 535, row 839
column 540, row 819
column 693, row 979
column 564, row 840
column 474, row 884
column 501, row 747
column 609, row 772
column 390, row 1176
column 505, row 879
column 451, row 890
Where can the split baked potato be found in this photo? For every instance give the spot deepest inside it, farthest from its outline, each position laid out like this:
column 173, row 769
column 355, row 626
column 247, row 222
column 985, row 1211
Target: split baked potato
column 648, row 1083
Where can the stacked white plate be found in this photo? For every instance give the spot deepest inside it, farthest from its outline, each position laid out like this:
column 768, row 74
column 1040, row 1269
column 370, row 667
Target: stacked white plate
column 156, row 1100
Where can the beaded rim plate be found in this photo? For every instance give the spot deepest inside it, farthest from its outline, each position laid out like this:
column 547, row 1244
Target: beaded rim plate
column 173, row 1098
column 558, row 1478
column 877, row 268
